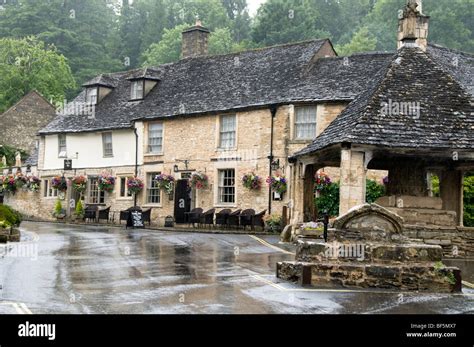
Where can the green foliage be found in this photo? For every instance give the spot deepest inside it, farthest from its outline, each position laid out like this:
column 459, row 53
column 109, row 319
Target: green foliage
column 58, row 208
column 79, row 209
column 28, row 64
column 273, row 222
column 469, row 200
column 329, row 200
column 168, row 49
column 435, row 185
column 9, row 216
column 374, row 191
column 329, row 197
column 10, row 153
column 362, row 41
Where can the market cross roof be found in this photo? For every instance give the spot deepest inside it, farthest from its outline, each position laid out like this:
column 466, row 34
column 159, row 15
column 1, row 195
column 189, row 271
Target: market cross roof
column 412, row 103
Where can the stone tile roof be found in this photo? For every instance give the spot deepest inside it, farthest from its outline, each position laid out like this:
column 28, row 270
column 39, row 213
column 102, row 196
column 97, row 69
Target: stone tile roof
column 32, row 160
column 251, row 79
column 255, row 78
column 458, row 64
column 445, row 119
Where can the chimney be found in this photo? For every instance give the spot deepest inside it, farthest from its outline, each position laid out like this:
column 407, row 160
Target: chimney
column 195, row 41
column 413, row 26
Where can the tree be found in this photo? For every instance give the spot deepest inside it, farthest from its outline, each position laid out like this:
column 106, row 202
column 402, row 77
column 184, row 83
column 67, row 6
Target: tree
column 28, row 64
column 283, row 21
column 81, row 30
column 361, row 42
column 168, row 49
column 221, row 42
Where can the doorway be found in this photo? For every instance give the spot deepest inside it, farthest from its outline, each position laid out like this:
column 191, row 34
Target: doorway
column 182, row 201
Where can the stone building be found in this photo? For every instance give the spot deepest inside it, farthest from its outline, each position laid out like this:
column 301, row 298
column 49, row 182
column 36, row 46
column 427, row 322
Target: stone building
column 225, row 116
column 22, row 121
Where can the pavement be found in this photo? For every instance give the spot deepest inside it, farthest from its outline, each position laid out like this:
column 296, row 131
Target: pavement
column 104, row 270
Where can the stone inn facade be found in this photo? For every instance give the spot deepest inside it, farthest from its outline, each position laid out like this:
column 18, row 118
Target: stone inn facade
column 225, row 116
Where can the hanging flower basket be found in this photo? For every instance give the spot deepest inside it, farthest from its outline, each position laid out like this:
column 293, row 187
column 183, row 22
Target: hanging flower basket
column 165, row 182
column 198, row 180
column 59, row 183
column 278, row 183
column 107, row 183
column 9, row 184
column 21, row 180
column 134, row 185
column 79, row 184
column 252, row 181
column 321, row 181
column 34, row 183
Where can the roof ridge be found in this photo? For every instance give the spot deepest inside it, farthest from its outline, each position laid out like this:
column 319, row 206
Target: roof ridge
column 457, row 51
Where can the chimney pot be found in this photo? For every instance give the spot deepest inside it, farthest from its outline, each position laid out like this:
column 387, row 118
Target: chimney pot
column 413, row 26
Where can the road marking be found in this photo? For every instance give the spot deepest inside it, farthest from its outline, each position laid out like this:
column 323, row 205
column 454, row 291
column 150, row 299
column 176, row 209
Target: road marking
column 468, row 284
column 19, row 307
column 327, row 290
column 265, row 243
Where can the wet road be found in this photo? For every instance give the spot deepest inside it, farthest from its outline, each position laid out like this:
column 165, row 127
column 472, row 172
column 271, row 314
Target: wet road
column 71, row 269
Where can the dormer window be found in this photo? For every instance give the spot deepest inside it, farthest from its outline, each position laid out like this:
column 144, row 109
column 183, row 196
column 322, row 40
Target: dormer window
column 91, row 96
column 137, row 90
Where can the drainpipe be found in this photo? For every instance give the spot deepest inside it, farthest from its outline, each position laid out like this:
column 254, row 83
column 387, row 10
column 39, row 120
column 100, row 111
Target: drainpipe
column 273, row 110
column 136, row 161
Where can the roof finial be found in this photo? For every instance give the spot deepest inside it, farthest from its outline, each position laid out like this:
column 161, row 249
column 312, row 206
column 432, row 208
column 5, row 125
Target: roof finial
column 198, row 21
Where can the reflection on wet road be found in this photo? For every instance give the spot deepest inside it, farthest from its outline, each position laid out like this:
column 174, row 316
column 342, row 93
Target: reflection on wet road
column 80, row 269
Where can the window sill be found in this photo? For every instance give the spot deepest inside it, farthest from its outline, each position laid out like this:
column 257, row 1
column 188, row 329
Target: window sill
column 301, row 141
column 152, row 205
column 107, row 156
column 153, row 154
column 226, row 149
column 225, row 205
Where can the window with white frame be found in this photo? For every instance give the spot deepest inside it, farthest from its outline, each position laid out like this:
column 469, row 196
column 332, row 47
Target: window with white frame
column 153, row 193
column 96, row 196
column 107, row 147
column 91, row 95
column 124, row 193
column 226, row 186
column 62, row 146
column 305, row 122
column 49, row 191
column 227, row 131
column 137, row 90
column 155, row 138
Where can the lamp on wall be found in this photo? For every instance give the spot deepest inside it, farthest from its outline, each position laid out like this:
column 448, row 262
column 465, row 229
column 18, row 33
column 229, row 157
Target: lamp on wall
column 275, row 165
column 176, row 168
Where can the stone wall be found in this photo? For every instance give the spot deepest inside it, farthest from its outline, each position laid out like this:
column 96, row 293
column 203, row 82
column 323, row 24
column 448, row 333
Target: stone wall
column 23, row 120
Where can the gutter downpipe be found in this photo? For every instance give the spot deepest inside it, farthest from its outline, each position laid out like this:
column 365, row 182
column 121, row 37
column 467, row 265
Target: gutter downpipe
column 136, row 161
column 273, row 110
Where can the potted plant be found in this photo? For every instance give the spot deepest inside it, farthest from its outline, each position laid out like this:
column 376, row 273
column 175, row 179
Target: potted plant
column 321, row 181
column 79, row 184
column 59, row 183
column 198, row 180
column 278, row 183
column 134, row 185
column 165, row 182
column 9, row 184
column 59, row 212
column 79, row 211
column 252, row 181
column 107, row 183
column 21, row 181
column 273, row 223
column 34, row 183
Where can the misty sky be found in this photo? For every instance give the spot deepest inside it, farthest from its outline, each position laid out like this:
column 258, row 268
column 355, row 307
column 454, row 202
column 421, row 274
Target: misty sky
column 254, row 5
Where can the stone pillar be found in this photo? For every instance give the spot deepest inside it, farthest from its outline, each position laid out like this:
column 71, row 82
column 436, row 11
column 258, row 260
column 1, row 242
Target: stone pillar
column 451, row 190
column 352, row 184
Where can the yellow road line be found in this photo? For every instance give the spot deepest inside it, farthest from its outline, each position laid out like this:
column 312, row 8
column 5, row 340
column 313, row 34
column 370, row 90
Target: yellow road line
column 327, row 290
column 468, row 284
column 19, row 307
column 265, row 243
